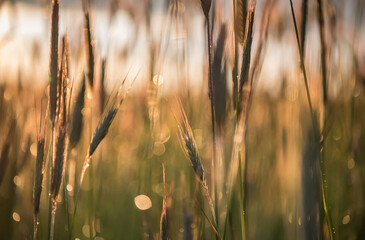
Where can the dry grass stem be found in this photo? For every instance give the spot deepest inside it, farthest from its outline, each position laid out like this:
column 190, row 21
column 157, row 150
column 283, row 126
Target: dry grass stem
column 163, row 219
column 38, row 180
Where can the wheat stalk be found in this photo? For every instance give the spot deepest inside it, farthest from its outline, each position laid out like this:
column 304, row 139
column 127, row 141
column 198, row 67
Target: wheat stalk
column 99, row 134
column 188, row 144
column 53, row 96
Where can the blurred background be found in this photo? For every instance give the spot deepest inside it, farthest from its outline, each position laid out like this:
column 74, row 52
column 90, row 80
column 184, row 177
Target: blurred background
column 162, row 44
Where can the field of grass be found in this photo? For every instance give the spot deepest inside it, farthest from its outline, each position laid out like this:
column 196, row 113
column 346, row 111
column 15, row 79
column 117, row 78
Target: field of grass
column 216, row 120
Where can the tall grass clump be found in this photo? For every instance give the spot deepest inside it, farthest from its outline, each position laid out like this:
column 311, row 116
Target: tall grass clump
column 61, row 144
column 250, row 161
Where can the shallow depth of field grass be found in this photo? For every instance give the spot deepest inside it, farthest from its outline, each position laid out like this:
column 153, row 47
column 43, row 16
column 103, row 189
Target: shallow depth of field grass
column 183, row 120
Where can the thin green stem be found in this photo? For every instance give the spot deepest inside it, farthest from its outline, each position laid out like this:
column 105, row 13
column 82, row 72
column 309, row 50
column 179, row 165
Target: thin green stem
column 65, row 183
column 242, row 206
column 303, row 70
column 241, row 184
column 316, row 132
column 324, row 194
column 50, row 208
column 90, row 197
column 90, row 202
column 236, row 104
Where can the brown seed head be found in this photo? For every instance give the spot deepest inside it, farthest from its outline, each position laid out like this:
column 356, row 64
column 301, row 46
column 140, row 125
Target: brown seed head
column 53, row 61
column 246, row 60
column 206, row 7
column 77, row 117
column 60, row 158
column 219, row 79
column 240, row 20
column 4, row 159
column 102, row 130
column 88, row 50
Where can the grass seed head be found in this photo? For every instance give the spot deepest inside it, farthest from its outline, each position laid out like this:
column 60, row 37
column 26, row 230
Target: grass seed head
column 89, row 52
column 4, row 159
column 53, row 61
column 102, row 87
column 61, row 144
column 219, row 79
column 244, row 96
column 240, row 20
column 206, row 6
column 60, row 157
column 102, row 130
column 77, row 116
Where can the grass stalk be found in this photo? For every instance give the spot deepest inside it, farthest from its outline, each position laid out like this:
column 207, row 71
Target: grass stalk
column 206, row 8
column 242, row 199
column 212, row 109
column 53, row 100
column 243, row 103
column 50, row 208
column 316, row 132
column 189, row 146
column 67, row 203
column 315, row 127
column 236, row 105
